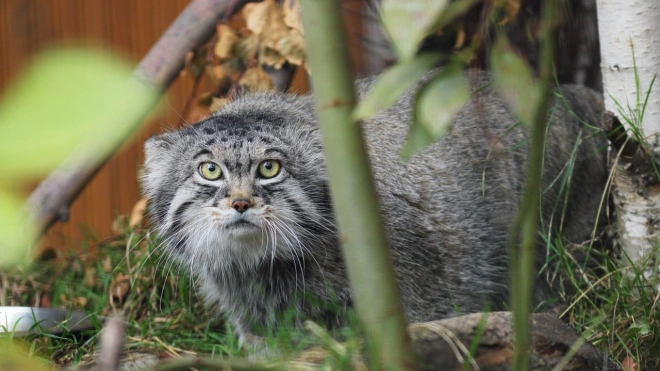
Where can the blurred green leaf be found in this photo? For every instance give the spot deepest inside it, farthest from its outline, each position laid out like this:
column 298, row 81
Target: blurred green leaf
column 15, row 358
column 408, row 22
column 513, row 78
column 441, row 99
column 392, row 84
column 640, row 328
column 436, row 104
column 15, row 230
column 67, row 100
column 418, row 138
column 453, row 11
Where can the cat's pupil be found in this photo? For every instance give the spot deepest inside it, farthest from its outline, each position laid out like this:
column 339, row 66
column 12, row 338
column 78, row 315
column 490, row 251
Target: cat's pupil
column 211, row 168
column 268, row 165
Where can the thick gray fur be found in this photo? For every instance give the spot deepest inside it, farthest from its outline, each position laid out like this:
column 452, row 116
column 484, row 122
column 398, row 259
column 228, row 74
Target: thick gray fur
column 447, row 210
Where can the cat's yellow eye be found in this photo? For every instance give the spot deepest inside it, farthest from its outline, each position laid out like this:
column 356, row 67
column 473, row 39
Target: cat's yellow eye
column 269, row 168
column 210, row 170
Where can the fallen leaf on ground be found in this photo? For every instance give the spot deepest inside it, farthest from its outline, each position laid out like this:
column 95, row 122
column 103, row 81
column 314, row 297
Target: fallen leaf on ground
column 119, row 287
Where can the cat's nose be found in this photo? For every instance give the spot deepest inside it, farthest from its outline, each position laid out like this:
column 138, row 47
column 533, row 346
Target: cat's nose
column 241, row 205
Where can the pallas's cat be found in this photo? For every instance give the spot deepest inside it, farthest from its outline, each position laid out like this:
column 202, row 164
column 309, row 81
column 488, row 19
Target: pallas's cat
column 241, row 200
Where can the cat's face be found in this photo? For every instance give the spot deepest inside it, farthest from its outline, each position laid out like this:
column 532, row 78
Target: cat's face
column 238, row 190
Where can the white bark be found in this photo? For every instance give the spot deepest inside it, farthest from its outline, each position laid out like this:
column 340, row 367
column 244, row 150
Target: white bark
column 624, row 24
column 620, row 23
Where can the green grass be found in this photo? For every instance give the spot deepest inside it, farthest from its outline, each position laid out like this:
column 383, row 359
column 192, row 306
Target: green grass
column 616, row 305
column 128, row 276
column 162, row 310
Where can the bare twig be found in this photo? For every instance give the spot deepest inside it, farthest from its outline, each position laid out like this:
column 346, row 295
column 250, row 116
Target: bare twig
column 51, row 199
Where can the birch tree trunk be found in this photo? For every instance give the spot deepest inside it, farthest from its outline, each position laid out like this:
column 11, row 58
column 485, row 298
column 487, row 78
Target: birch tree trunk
column 626, row 26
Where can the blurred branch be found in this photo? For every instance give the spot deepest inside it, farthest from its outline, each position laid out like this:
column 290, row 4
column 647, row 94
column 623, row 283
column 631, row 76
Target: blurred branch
column 214, row 364
column 365, row 248
column 111, row 344
column 51, row 199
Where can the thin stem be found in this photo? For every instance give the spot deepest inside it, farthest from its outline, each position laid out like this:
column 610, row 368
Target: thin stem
column 526, row 223
column 368, row 262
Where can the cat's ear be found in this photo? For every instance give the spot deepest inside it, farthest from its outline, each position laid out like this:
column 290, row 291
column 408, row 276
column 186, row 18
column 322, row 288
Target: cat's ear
column 157, row 158
column 158, row 145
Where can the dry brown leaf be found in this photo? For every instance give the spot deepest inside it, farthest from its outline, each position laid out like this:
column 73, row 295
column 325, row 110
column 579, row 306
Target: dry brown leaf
column 460, row 38
column 116, row 227
column 226, row 44
column 80, row 302
column 271, row 57
column 291, row 10
column 248, row 9
column 247, row 47
column 292, row 47
column 629, row 364
column 255, row 79
column 256, row 16
column 225, row 72
column 194, row 63
column 137, row 214
column 107, row 264
column 267, row 20
column 217, row 73
column 119, row 287
column 511, row 9
column 90, row 276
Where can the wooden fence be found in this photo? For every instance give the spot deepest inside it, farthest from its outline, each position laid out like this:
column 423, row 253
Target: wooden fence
column 129, row 28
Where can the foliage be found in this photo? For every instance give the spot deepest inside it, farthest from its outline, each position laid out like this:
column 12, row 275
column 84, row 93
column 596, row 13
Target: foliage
column 615, row 306
column 440, row 99
column 127, row 274
column 68, row 100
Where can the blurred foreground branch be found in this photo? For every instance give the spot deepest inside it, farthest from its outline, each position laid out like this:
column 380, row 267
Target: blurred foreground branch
column 51, row 199
column 523, row 237
column 365, row 247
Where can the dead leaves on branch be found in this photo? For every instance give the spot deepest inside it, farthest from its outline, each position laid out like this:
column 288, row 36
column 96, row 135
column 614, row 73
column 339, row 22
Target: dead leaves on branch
column 263, row 33
column 279, row 31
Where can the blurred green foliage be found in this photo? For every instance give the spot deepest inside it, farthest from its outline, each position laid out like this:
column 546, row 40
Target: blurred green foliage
column 70, row 105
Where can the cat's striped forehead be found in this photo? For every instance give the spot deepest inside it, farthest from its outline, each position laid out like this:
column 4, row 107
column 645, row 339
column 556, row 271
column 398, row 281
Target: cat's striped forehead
column 236, row 138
